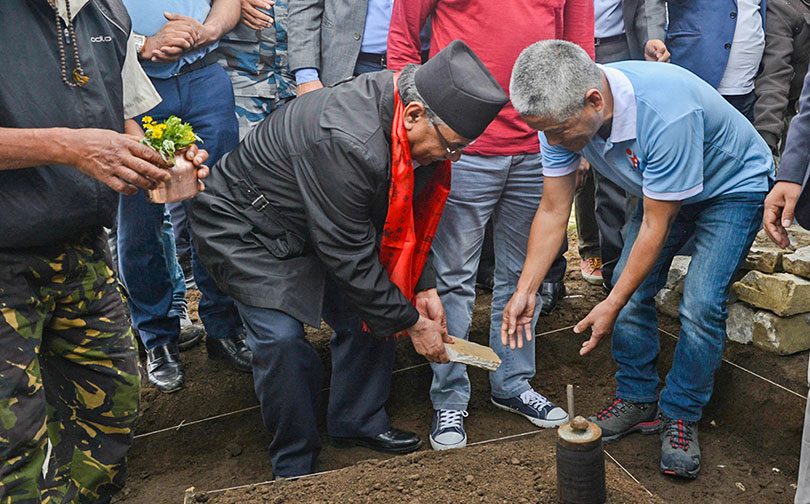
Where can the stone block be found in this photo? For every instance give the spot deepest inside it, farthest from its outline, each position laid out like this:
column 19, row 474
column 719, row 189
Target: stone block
column 781, row 293
column 677, row 273
column 781, row 335
column 740, row 323
column 472, row 354
column 764, row 258
column 798, row 262
column 668, row 302
column 799, row 237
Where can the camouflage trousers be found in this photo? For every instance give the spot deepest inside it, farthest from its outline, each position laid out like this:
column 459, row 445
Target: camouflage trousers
column 251, row 110
column 68, row 374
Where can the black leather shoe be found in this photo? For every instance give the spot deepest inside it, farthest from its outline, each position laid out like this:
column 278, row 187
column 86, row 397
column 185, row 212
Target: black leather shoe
column 164, row 369
column 550, row 295
column 394, row 441
column 190, row 333
column 232, row 350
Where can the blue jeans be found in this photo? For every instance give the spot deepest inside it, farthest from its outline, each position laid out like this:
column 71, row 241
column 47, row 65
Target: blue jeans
column 287, row 380
column 723, row 229
column 203, row 98
column 507, row 190
column 176, row 272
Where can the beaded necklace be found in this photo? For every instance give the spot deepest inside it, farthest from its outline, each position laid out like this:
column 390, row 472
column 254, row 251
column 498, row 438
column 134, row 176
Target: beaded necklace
column 79, row 77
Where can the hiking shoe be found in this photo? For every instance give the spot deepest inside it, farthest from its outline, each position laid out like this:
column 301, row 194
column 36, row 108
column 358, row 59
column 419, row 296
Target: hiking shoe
column 534, row 407
column 680, row 451
column 623, row 417
column 591, row 269
column 447, row 430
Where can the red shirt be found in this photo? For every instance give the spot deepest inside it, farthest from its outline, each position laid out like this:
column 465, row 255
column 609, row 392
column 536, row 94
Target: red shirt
column 496, row 31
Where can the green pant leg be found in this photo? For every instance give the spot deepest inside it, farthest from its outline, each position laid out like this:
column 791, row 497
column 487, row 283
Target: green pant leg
column 90, row 375
column 22, row 397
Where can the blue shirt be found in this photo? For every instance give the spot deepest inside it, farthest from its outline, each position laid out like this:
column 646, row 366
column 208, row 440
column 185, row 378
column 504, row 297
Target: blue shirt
column 608, row 18
column 147, row 19
column 375, row 32
column 673, row 138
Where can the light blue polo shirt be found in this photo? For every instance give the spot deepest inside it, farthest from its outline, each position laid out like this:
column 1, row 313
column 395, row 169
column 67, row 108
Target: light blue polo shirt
column 673, row 138
column 147, row 18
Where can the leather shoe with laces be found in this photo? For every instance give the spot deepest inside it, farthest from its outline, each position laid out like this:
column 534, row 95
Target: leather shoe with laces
column 550, row 295
column 232, row 350
column 164, row 369
column 394, row 440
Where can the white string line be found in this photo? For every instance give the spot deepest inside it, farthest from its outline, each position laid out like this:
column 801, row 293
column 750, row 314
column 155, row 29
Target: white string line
column 504, row 438
column 561, row 329
column 747, row 371
column 270, row 482
column 627, row 472
column 186, row 424
column 478, row 443
column 250, row 408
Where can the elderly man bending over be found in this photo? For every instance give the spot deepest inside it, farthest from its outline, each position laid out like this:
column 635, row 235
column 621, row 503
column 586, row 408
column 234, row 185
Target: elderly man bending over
column 328, row 208
column 701, row 170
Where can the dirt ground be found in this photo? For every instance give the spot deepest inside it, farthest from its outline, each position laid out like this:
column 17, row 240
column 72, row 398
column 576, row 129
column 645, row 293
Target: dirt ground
column 210, row 434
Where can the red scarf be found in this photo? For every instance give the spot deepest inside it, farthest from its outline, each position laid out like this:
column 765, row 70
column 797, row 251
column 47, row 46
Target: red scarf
column 410, row 224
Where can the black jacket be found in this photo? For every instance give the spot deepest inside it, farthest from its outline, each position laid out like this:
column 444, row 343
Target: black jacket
column 45, row 204
column 304, row 195
column 795, row 160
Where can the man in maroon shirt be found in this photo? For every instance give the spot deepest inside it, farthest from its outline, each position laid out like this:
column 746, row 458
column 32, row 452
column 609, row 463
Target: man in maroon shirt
column 499, row 178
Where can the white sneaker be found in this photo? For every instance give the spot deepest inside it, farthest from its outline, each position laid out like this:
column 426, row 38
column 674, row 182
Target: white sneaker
column 447, row 430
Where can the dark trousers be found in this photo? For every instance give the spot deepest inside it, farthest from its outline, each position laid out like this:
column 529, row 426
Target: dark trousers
column 204, row 98
column 587, row 229
column 613, row 210
column 743, row 103
column 287, row 378
column 613, row 206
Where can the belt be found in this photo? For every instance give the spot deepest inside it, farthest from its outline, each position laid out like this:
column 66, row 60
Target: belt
column 608, row 40
column 196, row 65
column 373, row 58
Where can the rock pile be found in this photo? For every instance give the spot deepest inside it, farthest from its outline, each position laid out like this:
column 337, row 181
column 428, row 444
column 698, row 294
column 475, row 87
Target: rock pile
column 770, row 305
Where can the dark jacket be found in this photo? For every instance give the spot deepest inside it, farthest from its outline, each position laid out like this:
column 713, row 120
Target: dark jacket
column 45, row 204
column 784, row 63
column 644, row 20
column 305, row 195
column 326, row 34
column 700, row 33
column 795, row 159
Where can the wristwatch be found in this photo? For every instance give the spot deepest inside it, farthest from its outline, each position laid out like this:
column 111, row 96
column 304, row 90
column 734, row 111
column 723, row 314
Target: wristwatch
column 140, row 41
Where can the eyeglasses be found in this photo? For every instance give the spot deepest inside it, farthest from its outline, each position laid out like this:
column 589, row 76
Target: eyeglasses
column 446, row 144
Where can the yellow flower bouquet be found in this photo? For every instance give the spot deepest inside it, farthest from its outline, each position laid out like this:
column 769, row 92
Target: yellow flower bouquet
column 168, row 137
column 171, row 139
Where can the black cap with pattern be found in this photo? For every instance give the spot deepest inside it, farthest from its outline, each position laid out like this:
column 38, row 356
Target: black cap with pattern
column 460, row 89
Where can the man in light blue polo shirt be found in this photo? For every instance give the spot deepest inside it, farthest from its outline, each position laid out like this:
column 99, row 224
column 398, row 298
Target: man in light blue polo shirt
column 701, row 170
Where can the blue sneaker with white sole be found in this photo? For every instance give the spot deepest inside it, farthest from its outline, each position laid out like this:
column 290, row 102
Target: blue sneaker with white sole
column 534, row 407
column 447, row 430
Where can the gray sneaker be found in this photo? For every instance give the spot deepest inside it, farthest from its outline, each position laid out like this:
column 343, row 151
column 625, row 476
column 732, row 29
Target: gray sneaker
column 680, row 451
column 622, row 417
column 190, row 333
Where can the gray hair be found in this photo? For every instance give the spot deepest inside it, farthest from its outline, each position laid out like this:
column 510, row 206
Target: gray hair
column 408, row 92
column 550, row 79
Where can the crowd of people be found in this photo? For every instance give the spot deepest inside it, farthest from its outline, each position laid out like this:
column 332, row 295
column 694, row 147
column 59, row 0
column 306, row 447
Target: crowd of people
column 370, row 163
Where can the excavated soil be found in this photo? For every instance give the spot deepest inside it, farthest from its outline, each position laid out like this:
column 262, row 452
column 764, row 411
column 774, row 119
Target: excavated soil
column 749, row 435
